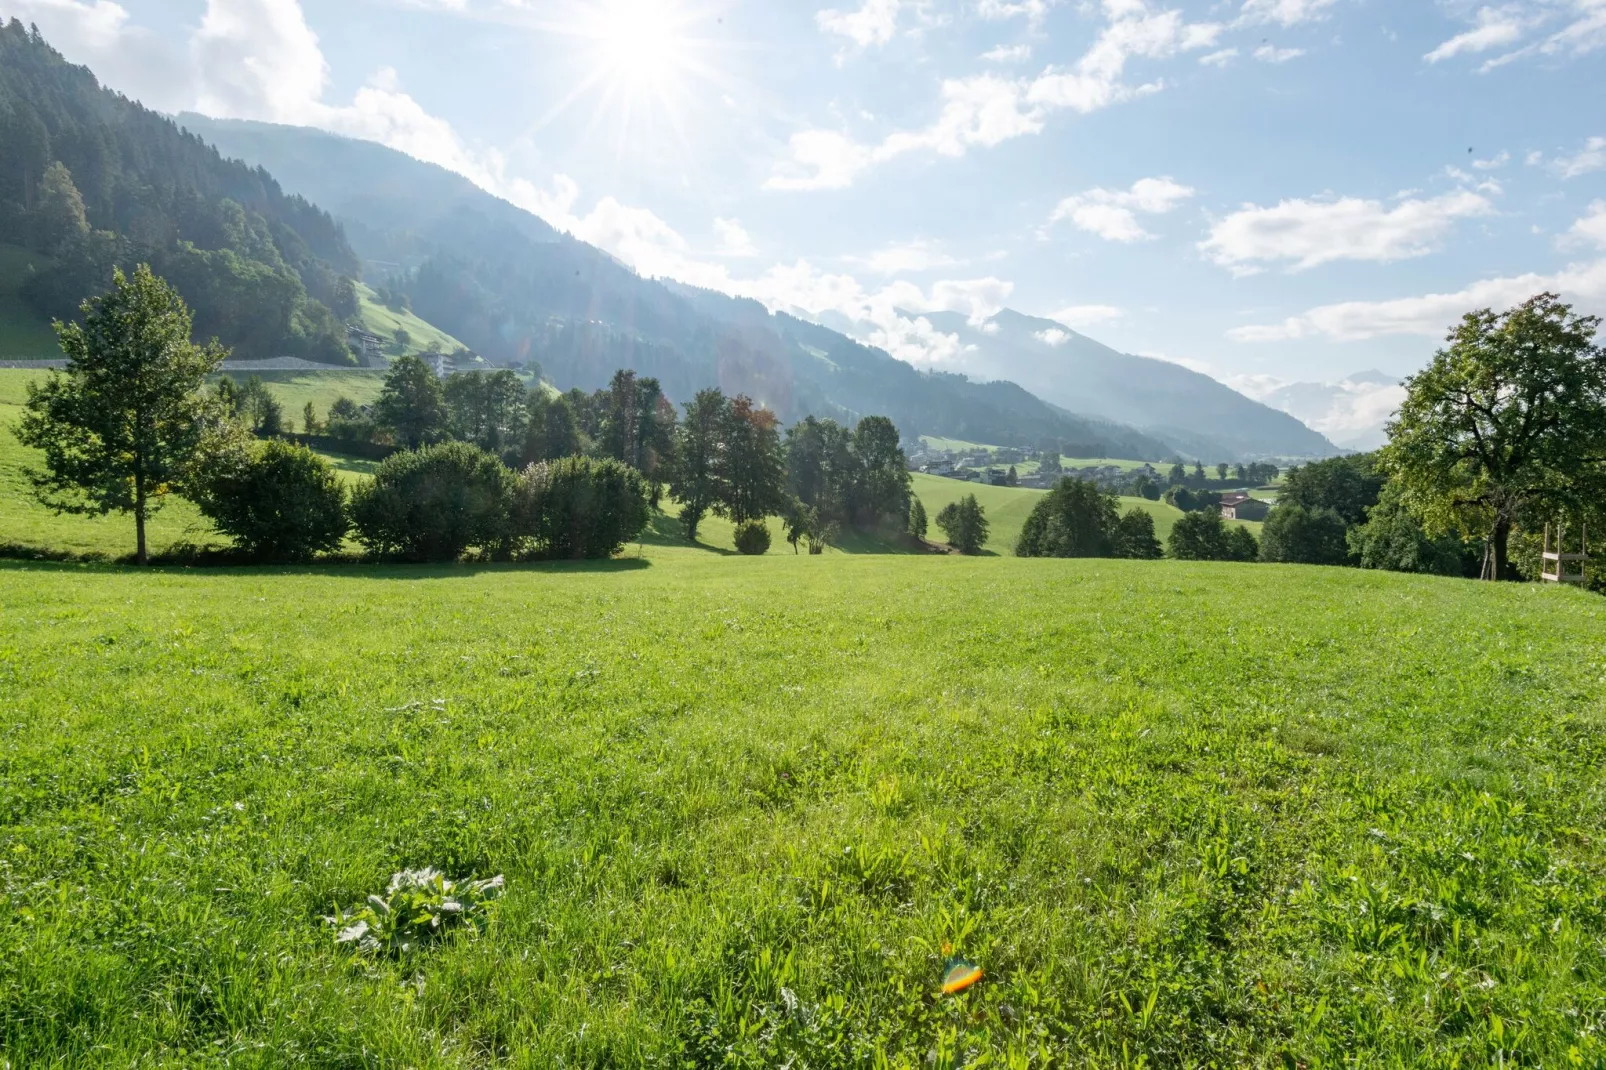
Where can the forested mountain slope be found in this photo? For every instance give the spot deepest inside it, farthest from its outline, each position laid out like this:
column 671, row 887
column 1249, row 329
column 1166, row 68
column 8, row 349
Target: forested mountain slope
column 513, row 288
column 91, row 181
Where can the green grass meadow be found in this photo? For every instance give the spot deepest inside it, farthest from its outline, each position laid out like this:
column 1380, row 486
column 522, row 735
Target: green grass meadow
column 743, row 806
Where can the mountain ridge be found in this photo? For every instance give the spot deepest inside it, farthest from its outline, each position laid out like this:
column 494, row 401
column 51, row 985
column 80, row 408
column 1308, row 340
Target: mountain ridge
column 520, row 290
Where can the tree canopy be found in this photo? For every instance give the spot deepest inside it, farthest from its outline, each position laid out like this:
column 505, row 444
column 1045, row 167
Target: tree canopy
column 1507, row 425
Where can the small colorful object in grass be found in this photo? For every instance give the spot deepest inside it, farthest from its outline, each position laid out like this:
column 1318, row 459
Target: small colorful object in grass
column 959, row 976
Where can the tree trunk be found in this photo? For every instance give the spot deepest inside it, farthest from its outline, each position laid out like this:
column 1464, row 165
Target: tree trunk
column 1497, row 562
column 140, row 554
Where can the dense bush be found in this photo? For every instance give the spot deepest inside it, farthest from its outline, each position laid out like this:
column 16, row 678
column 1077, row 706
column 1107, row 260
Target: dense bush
column 1348, row 486
column 276, row 500
column 1393, row 539
column 1075, row 519
column 1206, row 537
column 753, row 537
column 579, row 507
column 432, row 504
column 1134, row 536
column 965, row 524
column 1297, row 535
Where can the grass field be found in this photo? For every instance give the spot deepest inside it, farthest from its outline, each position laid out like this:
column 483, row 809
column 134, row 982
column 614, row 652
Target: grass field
column 23, row 332
column 1179, row 814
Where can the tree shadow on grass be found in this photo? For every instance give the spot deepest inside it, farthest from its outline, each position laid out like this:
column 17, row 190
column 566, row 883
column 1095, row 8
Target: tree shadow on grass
column 362, row 570
column 665, row 530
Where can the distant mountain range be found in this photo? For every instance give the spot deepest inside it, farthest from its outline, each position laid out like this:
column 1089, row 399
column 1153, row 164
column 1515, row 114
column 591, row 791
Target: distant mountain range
column 1351, row 412
column 1201, row 417
column 514, row 288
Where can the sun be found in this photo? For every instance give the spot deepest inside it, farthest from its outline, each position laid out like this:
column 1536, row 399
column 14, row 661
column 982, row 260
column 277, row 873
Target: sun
column 646, row 66
column 642, row 42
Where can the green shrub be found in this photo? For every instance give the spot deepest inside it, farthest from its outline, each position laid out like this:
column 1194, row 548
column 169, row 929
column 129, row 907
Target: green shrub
column 965, row 524
column 1075, row 519
column 753, row 537
column 917, row 519
column 1297, row 535
column 1394, row 540
column 1206, row 537
column 579, row 507
column 432, row 504
column 1134, row 536
column 276, row 500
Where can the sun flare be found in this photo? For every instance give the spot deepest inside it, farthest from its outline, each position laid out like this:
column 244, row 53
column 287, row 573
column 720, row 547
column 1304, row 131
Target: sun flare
column 642, row 41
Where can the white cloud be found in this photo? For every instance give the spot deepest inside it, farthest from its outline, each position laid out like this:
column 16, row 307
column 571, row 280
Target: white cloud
column 1053, row 336
column 1273, row 54
column 1112, row 214
column 873, row 24
column 915, row 256
column 1008, row 54
column 821, row 159
column 733, row 238
column 1351, row 412
column 98, row 34
column 1284, row 12
column 1592, row 228
column 1592, row 157
column 1078, row 316
column 1430, row 315
column 1496, row 27
column 1348, row 228
column 1220, row 58
column 1494, row 163
column 985, row 110
column 1565, row 28
column 1033, row 10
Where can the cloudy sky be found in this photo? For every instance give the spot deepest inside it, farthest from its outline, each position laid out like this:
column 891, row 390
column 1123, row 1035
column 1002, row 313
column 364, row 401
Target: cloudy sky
column 1267, row 190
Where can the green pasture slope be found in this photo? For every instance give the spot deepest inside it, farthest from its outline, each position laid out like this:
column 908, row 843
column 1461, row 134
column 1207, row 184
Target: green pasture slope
column 383, row 322
column 1181, row 814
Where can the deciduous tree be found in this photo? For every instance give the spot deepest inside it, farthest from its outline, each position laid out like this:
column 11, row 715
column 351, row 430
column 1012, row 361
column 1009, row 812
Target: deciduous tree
column 1506, row 425
column 120, row 424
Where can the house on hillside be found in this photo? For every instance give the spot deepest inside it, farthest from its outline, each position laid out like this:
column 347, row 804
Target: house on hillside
column 1243, row 507
column 366, row 343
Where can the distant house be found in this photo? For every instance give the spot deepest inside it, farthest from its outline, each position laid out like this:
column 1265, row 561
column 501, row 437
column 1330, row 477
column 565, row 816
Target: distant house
column 439, row 363
column 1243, row 507
column 367, row 343
column 997, row 477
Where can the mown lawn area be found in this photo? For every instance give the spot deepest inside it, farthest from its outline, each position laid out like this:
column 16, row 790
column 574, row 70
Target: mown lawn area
column 1180, row 814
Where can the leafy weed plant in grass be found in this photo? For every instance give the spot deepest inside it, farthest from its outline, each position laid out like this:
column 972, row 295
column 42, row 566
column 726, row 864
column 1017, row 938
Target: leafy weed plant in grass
column 419, row 906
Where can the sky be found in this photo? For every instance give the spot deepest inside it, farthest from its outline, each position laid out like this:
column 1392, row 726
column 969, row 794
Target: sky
column 1269, row 191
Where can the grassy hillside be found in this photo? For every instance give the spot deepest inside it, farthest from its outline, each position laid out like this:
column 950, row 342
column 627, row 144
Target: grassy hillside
column 743, row 807
column 23, row 332
column 384, row 322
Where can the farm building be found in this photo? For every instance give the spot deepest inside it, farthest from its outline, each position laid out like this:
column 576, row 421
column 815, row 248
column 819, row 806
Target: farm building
column 1243, row 507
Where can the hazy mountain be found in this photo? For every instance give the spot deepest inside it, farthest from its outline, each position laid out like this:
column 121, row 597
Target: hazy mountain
column 1352, row 412
column 1201, row 417
column 513, row 288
